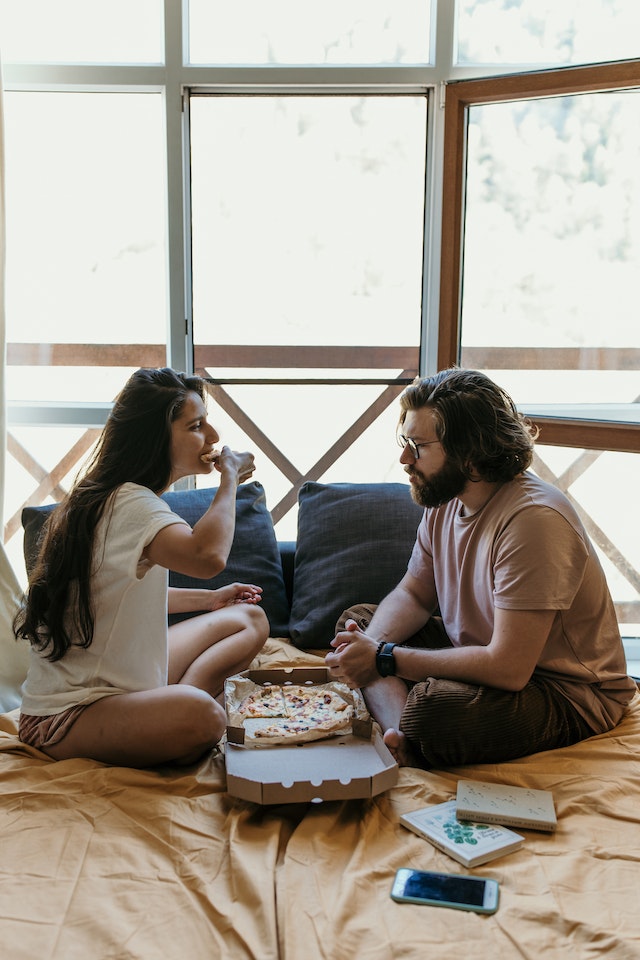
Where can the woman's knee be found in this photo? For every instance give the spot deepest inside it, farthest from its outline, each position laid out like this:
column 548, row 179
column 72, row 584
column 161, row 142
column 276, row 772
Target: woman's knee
column 203, row 720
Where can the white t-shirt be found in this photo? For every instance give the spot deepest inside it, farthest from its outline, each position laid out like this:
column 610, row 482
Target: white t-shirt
column 527, row 550
column 129, row 651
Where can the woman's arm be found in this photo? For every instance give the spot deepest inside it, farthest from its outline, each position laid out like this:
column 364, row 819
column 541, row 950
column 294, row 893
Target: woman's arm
column 203, row 551
column 187, row 600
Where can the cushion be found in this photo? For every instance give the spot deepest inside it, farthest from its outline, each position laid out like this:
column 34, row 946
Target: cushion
column 354, row 542
column 254, row 556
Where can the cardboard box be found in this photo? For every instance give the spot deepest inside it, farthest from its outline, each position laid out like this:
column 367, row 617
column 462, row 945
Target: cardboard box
column 345, row 767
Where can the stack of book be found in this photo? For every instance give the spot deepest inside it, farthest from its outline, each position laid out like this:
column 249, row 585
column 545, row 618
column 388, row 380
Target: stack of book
column 473, row 828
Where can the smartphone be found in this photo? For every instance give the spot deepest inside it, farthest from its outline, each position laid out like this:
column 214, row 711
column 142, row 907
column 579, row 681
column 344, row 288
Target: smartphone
column 446, row 890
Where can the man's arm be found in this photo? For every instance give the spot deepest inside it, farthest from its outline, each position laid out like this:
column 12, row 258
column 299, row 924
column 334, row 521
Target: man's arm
column 398, row 616
column 507, row 662
column 402, row 612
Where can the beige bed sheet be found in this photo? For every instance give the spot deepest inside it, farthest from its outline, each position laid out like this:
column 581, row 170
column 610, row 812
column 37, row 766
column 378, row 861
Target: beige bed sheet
column 99, row 862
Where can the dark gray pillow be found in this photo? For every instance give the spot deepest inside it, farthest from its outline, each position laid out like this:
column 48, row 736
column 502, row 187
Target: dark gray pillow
column 254, row 556
column 354, row 543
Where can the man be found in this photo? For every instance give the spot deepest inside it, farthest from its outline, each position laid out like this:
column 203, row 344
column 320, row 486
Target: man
column 525, row 654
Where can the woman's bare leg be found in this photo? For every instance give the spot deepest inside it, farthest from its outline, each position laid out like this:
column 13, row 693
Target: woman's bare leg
column 205, row 650
column 180, row 722
column 169, row 724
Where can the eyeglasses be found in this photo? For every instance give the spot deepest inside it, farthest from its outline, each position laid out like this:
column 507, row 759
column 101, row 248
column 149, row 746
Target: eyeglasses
column 414, row 448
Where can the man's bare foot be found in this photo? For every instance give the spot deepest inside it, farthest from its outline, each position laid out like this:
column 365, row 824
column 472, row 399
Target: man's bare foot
column 398, row 746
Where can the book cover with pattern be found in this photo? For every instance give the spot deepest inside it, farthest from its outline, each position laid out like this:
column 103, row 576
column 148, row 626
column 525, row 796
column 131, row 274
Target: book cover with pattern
column 468, row 842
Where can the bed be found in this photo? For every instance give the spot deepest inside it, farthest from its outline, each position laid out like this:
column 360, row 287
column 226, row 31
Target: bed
column 103, row 862
column 106, row 862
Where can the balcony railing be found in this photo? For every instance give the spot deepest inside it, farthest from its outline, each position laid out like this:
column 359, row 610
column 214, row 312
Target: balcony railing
column 401, row 364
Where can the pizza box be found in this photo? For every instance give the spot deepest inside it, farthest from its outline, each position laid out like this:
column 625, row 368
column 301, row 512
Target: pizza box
column 351, row 766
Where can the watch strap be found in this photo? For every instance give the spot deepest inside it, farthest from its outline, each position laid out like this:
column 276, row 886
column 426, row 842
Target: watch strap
column 385, row 660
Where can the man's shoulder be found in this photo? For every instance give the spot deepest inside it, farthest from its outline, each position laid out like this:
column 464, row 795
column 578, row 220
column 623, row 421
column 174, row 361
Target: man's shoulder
column 535, row 497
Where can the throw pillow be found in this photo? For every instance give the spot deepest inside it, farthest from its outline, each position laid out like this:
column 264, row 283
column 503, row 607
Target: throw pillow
column 354, row 543
column 254, row 556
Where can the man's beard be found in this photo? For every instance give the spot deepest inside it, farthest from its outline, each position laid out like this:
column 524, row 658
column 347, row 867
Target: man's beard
column 442, row 487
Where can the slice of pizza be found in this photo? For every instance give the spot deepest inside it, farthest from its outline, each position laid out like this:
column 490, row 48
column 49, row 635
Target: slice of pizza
column 265, row 702
column 319, row 708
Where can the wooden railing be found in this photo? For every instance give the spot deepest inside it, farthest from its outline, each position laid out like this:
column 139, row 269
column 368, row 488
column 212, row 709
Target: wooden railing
column 401, row 364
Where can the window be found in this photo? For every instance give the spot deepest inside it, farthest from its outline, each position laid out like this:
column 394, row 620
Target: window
column 285, row 204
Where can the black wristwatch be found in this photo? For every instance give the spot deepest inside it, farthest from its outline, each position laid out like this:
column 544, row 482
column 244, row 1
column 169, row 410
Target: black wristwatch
column 385, row 660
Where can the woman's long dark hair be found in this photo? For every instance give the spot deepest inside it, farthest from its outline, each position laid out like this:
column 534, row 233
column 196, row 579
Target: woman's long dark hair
column 476, row 421
column 134, row 446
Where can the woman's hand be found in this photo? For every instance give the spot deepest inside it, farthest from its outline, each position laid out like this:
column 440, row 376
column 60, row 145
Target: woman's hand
column 230, row 461
column 234, row 593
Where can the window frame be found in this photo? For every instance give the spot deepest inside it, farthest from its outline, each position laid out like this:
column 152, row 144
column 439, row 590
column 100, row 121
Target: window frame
column 557, row 428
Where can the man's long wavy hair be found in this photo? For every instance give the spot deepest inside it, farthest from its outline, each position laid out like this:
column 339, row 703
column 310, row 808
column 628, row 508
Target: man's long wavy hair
column 135, row 446
column 476, row 422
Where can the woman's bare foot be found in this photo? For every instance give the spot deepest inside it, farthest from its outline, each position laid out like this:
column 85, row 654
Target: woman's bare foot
column 398, row 746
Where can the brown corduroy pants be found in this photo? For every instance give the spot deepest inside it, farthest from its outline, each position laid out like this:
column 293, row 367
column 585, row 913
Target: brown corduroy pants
column 450, row 724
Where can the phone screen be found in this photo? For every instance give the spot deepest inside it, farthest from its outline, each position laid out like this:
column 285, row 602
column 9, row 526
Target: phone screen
column 429, row 886
column 452, row 890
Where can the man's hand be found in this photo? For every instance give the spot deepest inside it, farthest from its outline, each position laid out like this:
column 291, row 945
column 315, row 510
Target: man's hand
column 354, row 658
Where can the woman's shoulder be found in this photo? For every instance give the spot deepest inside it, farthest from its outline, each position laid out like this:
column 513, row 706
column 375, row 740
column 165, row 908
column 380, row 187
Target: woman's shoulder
column 133, row 496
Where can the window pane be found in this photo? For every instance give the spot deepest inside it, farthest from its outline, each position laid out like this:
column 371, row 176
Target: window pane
column 288, row 31
column 547, row 31
column 583, row 476
column 552, row 247
column 75, row 31
column 86, row 251
column 307, row 219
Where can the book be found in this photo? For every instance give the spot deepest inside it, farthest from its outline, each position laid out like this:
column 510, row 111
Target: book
column 467, row 842
column 502, row 803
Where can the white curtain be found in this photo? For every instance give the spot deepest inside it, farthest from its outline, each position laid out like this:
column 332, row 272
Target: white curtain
column 13, row 656
column 3, row 329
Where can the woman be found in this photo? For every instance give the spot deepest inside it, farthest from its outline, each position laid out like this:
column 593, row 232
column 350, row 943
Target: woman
column 107, row 679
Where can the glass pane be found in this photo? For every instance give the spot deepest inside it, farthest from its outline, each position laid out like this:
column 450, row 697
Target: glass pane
column 75, row 31
column 287, row 31
column 307, row 219
column 86, row 245
column 552, row 248
column 583, row 476
column 307, row 254
column 290, row 416
column 45, row 459
column 547, row 31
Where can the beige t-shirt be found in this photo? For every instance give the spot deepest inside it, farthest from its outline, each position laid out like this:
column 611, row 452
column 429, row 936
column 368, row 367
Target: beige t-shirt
column 129, row 650
column 528, row 550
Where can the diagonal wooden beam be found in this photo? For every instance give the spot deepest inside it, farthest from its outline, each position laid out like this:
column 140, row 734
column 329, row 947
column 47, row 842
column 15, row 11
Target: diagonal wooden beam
column 373, row 411
column 22, row 456
column 50, row 483
column 252, row 430
column 596, row 533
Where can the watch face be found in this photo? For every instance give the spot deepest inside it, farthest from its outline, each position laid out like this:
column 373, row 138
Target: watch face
column 385, row 661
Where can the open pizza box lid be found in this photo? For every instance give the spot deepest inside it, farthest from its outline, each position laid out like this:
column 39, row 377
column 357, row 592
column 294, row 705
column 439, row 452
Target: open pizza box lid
column 353, row 765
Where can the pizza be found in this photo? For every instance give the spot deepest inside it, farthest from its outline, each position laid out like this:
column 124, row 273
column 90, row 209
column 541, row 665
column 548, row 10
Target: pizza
column 294, row 712
column 266, row 701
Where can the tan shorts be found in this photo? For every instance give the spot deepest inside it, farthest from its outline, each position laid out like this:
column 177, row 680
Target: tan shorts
column 45, row 731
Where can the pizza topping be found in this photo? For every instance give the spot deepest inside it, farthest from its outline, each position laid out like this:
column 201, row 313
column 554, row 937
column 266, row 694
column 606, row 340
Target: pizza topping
column 295, row 711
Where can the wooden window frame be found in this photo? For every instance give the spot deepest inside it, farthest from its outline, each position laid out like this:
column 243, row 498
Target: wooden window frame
column 599, row 434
